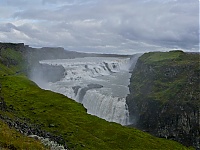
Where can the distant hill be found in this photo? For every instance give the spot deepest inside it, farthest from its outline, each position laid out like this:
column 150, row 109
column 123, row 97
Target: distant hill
column 36, row 54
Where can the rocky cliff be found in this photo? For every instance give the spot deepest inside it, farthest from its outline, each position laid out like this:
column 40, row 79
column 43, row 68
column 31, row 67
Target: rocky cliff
column 164, row 96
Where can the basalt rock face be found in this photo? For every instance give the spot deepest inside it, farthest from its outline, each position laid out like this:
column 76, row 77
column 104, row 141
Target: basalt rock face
column 164, row 97
column 17, row 47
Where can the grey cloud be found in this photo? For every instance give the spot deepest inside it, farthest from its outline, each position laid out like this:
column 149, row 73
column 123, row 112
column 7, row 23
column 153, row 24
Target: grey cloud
column 7, row 27
column 110, row 26
column 57, row 1
column 21, row 4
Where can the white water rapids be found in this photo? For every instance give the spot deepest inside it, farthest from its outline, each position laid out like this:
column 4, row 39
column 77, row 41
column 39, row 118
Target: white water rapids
column 99, row 83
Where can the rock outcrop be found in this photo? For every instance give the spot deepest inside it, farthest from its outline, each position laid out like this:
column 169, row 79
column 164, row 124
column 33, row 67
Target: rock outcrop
column 30, row 129
column 164, row 96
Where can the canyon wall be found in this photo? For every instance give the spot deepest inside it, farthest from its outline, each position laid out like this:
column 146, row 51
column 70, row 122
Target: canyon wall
column 164, row 96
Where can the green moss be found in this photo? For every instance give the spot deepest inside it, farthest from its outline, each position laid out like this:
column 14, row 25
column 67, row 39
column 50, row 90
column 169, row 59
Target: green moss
column 69, row 119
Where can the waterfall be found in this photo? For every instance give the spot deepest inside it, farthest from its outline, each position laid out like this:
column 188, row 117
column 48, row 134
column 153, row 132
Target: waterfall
column 99, row 83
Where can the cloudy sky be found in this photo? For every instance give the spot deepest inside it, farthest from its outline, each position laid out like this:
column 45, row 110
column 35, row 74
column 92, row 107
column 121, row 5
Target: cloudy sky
column 103, row 26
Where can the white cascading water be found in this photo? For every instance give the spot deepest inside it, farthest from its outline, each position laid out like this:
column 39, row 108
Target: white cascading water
column 99, row 83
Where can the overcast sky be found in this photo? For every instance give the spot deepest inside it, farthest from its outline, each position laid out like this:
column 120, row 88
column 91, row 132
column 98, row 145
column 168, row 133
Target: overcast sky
column 103, row 26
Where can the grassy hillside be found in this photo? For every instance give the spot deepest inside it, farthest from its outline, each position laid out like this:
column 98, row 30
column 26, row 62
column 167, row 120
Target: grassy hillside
column 57, row 114
column 12, row 60
column 61, row 116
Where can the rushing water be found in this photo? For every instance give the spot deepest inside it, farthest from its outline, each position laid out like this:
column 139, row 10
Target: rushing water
column 99, row 83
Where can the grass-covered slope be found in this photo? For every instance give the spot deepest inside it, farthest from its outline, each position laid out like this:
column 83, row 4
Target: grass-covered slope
column 12, row 62
column 23, row 101
column 165, row 95
column 12, row 59
column 173, row 75
column 62, row 116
